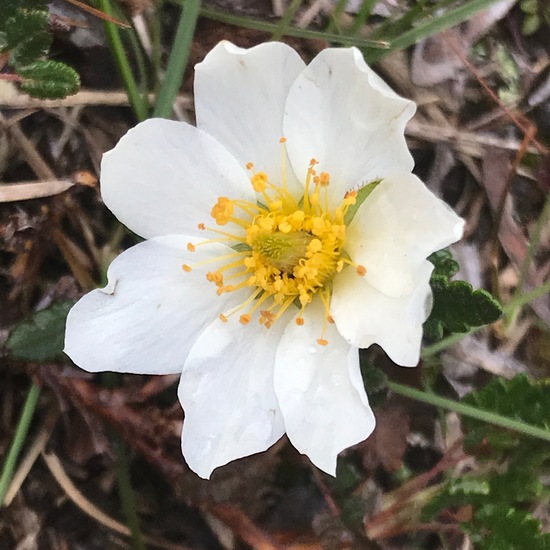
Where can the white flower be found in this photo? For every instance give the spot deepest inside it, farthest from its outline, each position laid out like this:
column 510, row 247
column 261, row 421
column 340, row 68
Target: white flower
column 263, row 308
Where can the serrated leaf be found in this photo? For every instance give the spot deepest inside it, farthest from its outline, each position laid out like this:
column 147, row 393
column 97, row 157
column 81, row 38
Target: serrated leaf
column 25, row 24
column 469, row 486
column 520, row 398
column 49, row 79
column 30, row 49
column 517, row 484
column 445, row 266
column 500, row 527
column 458, row 308
column 41, row 338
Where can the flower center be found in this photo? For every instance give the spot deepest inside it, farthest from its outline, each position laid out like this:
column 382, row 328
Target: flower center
column 290, row 250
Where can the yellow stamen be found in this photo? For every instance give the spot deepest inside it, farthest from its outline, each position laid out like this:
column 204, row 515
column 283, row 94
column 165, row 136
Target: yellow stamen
column 287, row 248
column 245, row 318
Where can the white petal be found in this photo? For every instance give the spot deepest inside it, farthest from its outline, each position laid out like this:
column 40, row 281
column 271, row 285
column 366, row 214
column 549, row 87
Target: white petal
column 226, row 391
column 149, row 315
column 239, row 99
column 398, row 226
column 320, row 390
column 163, row 178
column 365, row 316
column 342, row 114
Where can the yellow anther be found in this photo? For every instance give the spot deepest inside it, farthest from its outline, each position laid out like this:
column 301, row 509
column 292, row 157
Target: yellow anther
column 324, row 179
column 223, row 210
column 201, row 226
column 245, row 319
column 286, row 250
column 282, row 140
column 322, row 342
column 259, row 181
column 223, row 318
column 191, row 247
column 267, row 318
column 314, row 246
column 361, row 270
column 330, row 319
column 215, row 277
column 285, row 227
column 186, row 268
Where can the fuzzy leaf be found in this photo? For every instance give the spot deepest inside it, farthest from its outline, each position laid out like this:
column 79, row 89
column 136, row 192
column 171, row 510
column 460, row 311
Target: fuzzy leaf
column 27, row 36
column 519, row 398
column 40, row 338
column 445, row 266
column 499, row 527
column 49, row 79
column 458, row 308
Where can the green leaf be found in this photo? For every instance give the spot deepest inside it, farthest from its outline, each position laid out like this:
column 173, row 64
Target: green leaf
column 41, row 338
column 362, row 194
column 469, row 486
column 520, row 398
column 49, row 79
column 500, row 527
column 457, row 306
column 445, row 266
column 27, row 36
column 495, row 497
column 531, row 24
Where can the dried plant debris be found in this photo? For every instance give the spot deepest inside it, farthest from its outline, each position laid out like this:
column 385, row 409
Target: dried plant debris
column 426, row 478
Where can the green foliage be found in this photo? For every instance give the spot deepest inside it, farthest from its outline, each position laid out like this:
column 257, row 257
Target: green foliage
column 519, row 398
column 41, row 337
column 457, row 306
column 47, row 79
column 25, row 37
column 499, row 498
column 496, row 504
column 537, row 12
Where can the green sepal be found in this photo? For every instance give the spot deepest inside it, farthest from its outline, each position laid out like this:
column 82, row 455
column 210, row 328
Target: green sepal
column 49, row 79
column 457, row 307
column 362, row 195
column 41, row 338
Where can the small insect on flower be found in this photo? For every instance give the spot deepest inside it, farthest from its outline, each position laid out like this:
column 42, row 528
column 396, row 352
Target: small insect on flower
column 284, row 232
